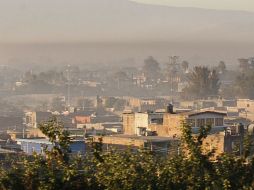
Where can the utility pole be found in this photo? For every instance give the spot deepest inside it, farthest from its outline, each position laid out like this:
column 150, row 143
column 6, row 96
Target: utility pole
column 83, row 101
column 172, row 70
column 68, row 86
column 24, row 127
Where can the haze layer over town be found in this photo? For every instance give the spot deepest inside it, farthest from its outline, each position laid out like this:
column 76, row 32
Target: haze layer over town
column 120, row 30
column 126, row 94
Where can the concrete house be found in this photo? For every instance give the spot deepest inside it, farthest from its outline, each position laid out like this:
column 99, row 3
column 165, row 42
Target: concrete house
column 30, row 146
column 168, row 123
column 222, row 138
column 32, row 119
column 160, row 145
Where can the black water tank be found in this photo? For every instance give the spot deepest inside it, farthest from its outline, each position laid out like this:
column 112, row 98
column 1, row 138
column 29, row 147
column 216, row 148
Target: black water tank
column 170, row 108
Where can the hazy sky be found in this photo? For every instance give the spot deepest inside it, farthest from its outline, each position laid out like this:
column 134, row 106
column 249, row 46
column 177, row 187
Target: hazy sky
column 89, row 20
column 210, row 4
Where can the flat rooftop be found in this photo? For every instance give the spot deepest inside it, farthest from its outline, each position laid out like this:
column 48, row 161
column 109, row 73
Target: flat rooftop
column 42, row 141
column 144, row 138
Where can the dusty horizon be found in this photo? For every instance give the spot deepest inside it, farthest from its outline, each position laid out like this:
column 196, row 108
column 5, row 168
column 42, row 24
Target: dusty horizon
column 119, row 21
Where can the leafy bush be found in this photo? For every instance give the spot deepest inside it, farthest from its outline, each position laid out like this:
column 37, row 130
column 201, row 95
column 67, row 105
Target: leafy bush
column 192, row 169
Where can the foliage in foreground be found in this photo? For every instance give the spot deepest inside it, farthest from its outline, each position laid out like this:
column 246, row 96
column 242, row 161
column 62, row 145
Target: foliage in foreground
column 125, row 170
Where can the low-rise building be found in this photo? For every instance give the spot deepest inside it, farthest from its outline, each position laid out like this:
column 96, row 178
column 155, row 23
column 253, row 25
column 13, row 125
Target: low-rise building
column 221, row 137
column 161, row 145
column 168, row 123
column 30, row 146
column 32, row 119
column 81, row 121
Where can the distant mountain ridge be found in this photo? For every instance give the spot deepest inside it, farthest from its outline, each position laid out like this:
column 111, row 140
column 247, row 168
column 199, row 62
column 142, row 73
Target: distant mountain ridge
column 124, row 21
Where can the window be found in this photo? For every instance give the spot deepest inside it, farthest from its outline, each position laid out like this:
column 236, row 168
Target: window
column 156, row 121
column 210, row 121
column 200, row 122
column 218, row 121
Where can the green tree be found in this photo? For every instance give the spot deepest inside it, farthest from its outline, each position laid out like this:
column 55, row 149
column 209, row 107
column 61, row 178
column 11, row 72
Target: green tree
column 202, row 83
column 127, row 171
column 192, row 168
column 119, row 105
column 59, row 137
column 244, row 85
column 57, row 170
column 185, row 66
column 120, row 78
column 110, row 101
column 221, row 67
column 151, row 68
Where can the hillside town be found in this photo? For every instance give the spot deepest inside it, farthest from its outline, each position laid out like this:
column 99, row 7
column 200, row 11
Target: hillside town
column 126, row 95
column 129, row 107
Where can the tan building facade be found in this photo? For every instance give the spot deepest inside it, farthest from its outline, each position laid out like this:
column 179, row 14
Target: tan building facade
column 247, row 106
column 128, row 123
column 218, row 139
column 169, row 124
column 32, row 119
column 161, row 145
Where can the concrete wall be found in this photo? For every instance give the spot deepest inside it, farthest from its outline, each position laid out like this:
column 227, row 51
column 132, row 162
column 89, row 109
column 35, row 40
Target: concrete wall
column 31, row 119
column 216, row 142
column 121, row 141
column 233, row 142
column 132, row 122
column 129, row 123
column 170, row 127
column 141, row 120
column 172, row 124
column 35, row 133
column 163, row 147
column 134, row 102
column 246, row 104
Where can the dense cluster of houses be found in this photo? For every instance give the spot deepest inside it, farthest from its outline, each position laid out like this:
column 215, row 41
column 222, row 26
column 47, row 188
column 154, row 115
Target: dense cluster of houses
column 157, row 129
